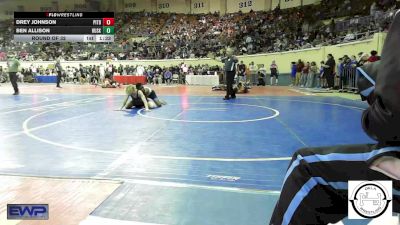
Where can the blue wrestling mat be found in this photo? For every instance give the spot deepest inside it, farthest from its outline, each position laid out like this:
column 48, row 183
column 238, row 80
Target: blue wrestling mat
column 197, row 160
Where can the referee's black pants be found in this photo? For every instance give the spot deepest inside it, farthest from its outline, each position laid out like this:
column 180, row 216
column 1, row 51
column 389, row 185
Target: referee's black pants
column 330, row 79
column 13, row 80
column 230, row 78
column 315, row 186
column 58, row 78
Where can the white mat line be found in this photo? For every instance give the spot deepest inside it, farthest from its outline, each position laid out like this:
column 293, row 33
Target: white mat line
column 61, row 104
column 132, row 153
column 96, row 220
column 27, row 131
column 47, row 99
column 45, row 125
column 218, row 159
column 186, row 185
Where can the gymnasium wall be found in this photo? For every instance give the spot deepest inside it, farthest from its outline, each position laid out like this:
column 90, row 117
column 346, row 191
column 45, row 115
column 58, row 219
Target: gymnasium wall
column 245, row 5
column 206, row 6
column 217, row 6
column 284, row 4
column 309, row 2
column 283, row 59
column 202, row 6
column 227, row 6
column 177, row 6
column 134, row 6
column 161, row 63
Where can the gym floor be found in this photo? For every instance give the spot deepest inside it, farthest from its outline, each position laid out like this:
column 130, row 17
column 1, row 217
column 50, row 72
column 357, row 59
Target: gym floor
column 196, row 161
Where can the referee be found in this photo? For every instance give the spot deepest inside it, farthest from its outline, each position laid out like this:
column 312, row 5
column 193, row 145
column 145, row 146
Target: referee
column 59, row 70
column 315, row 186
column 13, row 68
column 230, row 62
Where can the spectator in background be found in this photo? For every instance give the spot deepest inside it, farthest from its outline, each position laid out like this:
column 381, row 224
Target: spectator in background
column 21, row 76
column 120, row 70
column 363, row 59
column 353, row 60
column 312, row 75
column 69, row 74
column 253, row 73
column 102, row 73
column 94, row 76
column 197, row 36
column 322, row 80
column 293, row 74
column 261, row 79
column 242, row 72
column 340, row 65
column 140, row 70
column 82, row 78
column 185, row 69
column 262, row 74
column 168, row 76
column 34, row 70
column 157, row 78
column 184, row 72
column 248, row 74
column 339, row 72
column 373, row 9
column 329, row 69
column 150, row 75
column 274, row 73
column 349, row 65
column 374, row 56
column 299, row 70
column 350, row 36
column 304, row 74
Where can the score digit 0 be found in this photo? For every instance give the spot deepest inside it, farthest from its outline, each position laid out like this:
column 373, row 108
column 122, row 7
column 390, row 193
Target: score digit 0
column 108, row 21
column 108, row 30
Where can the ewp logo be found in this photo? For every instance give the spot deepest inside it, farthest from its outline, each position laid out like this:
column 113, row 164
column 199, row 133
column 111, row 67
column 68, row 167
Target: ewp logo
column 27, row 211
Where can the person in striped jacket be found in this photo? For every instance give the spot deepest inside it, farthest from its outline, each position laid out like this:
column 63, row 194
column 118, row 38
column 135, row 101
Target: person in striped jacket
column 315, row 185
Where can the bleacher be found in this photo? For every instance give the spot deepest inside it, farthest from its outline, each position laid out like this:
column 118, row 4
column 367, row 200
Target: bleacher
column 178, row 36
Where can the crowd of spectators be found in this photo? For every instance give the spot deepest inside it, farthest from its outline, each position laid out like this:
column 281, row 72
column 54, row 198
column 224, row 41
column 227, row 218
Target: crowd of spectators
column 167, row 36
column 331, row 74
column 97, row 73
column 142, row 24
column 197, row 36
column 342, row 72
column 340, row 8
